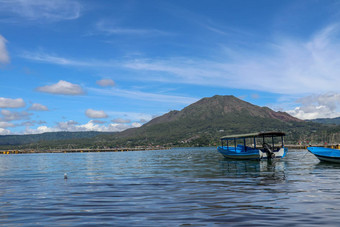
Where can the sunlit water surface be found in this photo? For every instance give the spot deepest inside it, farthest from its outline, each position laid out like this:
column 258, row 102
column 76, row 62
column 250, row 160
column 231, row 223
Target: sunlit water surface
column 194, row 186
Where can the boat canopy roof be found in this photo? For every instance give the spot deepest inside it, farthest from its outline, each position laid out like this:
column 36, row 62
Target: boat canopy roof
column 251, row 135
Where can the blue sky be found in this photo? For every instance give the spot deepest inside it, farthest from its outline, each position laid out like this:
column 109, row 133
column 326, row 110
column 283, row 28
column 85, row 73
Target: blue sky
column 69, row 65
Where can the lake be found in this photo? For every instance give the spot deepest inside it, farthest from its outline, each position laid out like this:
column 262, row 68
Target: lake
column 184, row 186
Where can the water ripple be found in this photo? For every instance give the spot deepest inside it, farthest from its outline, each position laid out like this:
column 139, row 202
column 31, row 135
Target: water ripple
column 167, row 188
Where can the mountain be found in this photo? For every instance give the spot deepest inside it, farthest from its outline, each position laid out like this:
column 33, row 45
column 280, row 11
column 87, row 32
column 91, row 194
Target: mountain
column 335, row 121
column 207, row 120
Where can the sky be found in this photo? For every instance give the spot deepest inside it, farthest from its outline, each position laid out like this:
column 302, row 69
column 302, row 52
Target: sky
column 68, row 65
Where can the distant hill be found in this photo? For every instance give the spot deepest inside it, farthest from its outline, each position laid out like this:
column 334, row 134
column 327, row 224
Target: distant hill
column 335, row 121
column 48, row 136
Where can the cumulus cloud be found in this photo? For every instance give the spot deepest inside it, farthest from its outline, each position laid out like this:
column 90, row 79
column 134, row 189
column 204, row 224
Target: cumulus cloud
column 62, row 88
column 317, row 106
column 75, row 126
column 4, row 124
column 106, row 83
column 44, row 11
column 95, row 113
column 4, row 57
column 14, row 116
column 4, row 131
column 68, row 126
column 121, row 121
column 38, row 107
column 11, row 103
column 40, row 129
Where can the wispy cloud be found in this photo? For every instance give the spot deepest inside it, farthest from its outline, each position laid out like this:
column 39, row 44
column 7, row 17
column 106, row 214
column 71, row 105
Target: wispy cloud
column 130, row 116
column 40, row 10
column 4, row 57
column 120, row 120
column 117, row 30
column 286, row 66
column 144, row 95
column 105, row 82
column 57, row 60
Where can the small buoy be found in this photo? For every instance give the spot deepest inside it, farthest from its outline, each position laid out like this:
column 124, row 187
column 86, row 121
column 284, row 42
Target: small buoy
column 65, row 176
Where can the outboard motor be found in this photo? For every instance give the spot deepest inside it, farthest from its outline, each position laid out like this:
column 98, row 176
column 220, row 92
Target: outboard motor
column 269, row 151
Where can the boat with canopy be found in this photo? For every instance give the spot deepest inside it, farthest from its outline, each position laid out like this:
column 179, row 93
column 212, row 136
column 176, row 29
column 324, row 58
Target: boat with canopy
column 325, row 154
column 260, row 145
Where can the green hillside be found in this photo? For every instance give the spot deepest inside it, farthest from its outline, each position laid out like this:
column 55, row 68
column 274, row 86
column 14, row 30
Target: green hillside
column 48, row 137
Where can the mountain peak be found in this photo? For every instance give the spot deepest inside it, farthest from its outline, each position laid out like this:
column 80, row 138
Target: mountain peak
column 210, row 116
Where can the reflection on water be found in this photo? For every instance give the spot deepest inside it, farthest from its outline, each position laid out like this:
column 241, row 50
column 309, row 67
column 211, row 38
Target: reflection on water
column 167, row 188
column 269, row 171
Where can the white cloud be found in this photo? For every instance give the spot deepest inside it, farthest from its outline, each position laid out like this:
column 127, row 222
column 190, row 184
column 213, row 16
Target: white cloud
column 95, row 113
column 31, row 123
column 68, row 126
column 136, row 124
column 116, row 30
column 74, row 126
column 38, row 107
column 4, row 57
column 52, row 59
column 62, row 88
column 40, row 10
column 317, row 106
column 284, row 66
column 4, row 124
column 106, row 83
column 145, row 96
column 120, row 120
column 14, row 116
column 40, row 129
column 138, row 117
column 4, row 131
column 98, row 122
column 11, row 103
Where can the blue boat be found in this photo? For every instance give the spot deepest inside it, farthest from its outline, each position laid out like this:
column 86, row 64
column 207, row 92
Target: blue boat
column 325, row 154
column 257, row 150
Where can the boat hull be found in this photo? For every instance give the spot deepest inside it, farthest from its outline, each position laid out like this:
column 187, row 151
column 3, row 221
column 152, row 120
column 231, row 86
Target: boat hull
column 248, row 154
column 325, row 154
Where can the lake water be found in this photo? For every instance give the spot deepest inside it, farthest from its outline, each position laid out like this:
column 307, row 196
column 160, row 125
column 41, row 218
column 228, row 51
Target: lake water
column 194, row 186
